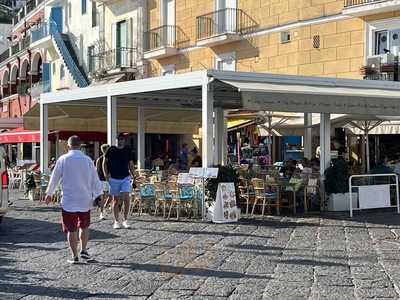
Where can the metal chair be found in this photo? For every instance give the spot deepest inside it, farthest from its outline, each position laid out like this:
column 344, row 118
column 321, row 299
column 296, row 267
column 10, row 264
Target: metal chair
column 181, row 197
column 244, row 194
column 311, row 188
column 160, row 198
column 259, row 195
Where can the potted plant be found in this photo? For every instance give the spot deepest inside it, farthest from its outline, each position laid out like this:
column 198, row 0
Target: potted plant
column 337, row 186
column 30, row 186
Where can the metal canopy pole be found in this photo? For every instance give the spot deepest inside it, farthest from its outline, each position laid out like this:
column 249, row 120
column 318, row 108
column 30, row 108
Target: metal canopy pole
column 308, row 135
column 207, row 134
column 325, row 151
column 218, row 135
column 111, row 120
column 207, row 124
column 44, row 138
column 140, row 138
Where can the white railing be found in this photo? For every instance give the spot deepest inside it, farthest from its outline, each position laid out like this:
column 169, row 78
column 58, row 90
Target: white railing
column 372, row 183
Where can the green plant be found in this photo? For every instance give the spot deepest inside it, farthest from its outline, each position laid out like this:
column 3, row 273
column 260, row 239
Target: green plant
column 225, row 174
column 30, row 182
column 337, row 177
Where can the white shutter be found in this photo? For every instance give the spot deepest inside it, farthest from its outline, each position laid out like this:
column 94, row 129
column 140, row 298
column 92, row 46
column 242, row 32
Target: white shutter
column 129, row 33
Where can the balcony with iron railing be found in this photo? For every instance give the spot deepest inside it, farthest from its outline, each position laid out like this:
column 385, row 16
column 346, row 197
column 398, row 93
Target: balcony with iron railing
column 369, row 7
column 26, row 10
column 222, row 26
column 164, row 41
column 119, row 59
column 378, row 71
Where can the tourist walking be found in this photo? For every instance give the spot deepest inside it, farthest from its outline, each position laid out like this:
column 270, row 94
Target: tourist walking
column 118, row 168
column 80, row 186
column 106, row 189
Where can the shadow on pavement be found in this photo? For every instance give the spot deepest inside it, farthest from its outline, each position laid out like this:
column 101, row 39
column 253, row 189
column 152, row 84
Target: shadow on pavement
column 212, row 233
column 156, row 268
column 46, row 291
column 26, row 231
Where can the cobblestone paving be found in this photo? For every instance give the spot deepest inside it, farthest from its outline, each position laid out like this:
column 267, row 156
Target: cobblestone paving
column 310, row 257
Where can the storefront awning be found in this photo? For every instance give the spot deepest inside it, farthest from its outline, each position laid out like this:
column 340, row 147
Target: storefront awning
column 19, row 135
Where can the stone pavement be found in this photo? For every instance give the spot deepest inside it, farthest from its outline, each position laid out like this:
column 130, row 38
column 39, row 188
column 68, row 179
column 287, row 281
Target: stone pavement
column 309, row 257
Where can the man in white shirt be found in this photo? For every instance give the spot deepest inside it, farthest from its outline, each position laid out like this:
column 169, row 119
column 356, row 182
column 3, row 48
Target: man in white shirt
column 80, row 186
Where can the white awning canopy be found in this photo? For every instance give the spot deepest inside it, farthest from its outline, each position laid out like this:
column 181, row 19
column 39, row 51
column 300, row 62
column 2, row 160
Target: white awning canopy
column 330, row 98
column 247, row 91
column 212, row 92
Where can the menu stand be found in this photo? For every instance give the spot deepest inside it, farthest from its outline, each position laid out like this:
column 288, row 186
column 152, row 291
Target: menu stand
column 203, row 174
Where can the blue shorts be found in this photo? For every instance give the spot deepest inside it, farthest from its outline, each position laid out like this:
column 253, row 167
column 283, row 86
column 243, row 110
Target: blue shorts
column 118, row 186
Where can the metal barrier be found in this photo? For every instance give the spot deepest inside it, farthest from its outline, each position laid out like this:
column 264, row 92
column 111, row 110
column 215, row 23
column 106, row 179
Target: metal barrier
column 368, row 176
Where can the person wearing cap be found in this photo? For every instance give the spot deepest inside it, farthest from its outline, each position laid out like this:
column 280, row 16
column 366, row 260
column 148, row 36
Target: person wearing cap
column 118, row 168
column 80, row 185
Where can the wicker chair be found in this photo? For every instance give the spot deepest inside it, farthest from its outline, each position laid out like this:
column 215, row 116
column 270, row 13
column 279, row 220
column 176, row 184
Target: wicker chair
column 161, row 198
column 244, row 194
column 265, row 195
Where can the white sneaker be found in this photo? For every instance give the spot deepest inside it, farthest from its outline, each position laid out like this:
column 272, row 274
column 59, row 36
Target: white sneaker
column 125, row 224
column 102, row 217
column 116, row 225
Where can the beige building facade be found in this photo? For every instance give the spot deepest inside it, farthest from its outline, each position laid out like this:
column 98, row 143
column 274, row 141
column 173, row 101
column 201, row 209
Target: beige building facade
column 326, row 38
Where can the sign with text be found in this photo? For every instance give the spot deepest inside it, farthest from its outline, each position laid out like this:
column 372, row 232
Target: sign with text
column 204, row 172
column 225, row 208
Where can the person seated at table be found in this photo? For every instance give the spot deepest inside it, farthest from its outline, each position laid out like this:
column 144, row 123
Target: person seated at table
column 158, row 162
column 307, row 169
column 288, row 168
column 167, row 161
column 315, row 164
column 297, row 182
column 173, row 168
column 196, row 158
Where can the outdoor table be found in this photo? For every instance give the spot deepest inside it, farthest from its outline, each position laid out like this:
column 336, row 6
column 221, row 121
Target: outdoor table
column 286, row 186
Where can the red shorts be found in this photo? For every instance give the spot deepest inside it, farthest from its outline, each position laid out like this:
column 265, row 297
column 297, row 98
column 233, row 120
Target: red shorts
column 71, row 221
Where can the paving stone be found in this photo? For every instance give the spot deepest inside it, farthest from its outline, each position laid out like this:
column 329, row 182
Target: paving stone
column 316, row 257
